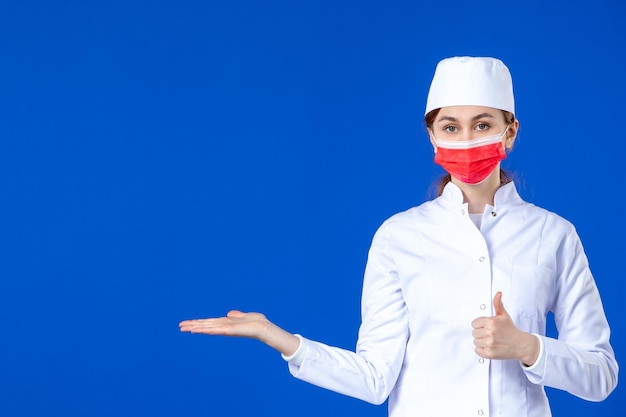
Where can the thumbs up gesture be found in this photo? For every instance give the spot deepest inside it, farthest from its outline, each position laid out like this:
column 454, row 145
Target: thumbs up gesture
column 497, row 337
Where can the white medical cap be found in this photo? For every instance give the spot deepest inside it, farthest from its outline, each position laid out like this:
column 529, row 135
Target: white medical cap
column 471, row 81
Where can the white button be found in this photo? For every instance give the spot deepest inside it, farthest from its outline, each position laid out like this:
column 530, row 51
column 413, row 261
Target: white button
column 481, row 259
column 493, row 214
column 481, row 360
column 482, row 306
column 481, row 412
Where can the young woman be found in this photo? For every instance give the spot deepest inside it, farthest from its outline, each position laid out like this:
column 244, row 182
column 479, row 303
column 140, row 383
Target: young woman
column 456, row 290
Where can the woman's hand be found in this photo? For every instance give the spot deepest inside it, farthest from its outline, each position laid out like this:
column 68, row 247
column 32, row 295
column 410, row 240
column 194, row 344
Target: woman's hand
column 239, row 324
column 497, row 337
column 236, row 323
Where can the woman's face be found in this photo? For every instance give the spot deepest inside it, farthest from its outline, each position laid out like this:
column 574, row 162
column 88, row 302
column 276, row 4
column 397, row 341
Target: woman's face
column 472, row 122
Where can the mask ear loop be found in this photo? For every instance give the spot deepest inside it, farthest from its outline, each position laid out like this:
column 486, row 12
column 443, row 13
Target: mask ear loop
column 504, row 133
column 433, row 139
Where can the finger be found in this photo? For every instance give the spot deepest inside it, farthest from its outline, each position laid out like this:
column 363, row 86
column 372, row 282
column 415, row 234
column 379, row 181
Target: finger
column 478, row 333
column 480, row 322
column 485, row 352
column 187, row 327
column 235, row 314
column 215, row 328
column 498, row 305
column 197, row 322
column 479, row 344
column 202, row 323
column 187, row 322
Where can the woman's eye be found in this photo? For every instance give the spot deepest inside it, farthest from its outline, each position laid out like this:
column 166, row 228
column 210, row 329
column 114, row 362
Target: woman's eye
column 450, row 129
column 482, row 126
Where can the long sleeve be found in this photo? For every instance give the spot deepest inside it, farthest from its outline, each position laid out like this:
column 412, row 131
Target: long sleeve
column 371, row 372
column 581, row 361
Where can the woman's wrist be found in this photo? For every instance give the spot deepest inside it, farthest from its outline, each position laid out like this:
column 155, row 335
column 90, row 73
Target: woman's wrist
column 279, row 339
column 530, row 349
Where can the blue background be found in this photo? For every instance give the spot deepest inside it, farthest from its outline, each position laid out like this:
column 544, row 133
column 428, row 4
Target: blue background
column 165, row 160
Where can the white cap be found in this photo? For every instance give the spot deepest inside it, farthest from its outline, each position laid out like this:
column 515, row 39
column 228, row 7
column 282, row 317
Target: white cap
column 471, row 81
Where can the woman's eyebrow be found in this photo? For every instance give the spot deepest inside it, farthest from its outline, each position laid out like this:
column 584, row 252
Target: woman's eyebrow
column 482, row 116
column 447, row 118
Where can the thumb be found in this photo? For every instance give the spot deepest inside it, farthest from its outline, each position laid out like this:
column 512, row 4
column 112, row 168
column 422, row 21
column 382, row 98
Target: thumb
column 498, row 305
column 235, row 314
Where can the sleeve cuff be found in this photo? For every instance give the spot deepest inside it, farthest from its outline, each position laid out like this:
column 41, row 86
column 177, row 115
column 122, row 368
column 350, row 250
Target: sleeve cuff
column 298, row 356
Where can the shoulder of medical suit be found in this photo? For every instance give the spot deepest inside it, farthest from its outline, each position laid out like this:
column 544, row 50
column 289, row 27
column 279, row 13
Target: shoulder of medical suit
column 506, row 200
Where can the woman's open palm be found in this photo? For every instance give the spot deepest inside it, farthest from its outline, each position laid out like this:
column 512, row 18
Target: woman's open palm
column 236, row 323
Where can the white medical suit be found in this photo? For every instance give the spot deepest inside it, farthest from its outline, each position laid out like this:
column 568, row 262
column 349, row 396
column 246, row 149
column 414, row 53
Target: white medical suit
column 430, row 273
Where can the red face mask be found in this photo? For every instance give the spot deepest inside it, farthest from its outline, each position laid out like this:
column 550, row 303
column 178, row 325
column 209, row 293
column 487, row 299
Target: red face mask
column 470, row 161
